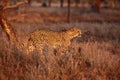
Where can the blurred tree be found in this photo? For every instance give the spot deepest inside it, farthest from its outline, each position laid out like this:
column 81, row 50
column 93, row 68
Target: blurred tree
column 61, row 3
column 77, row 2
column 95, row 5
column 68, row 16
column 49, row 1
column 44, row 3
column 113, row 3
column 110, row 3
column 29, row 2
column 3, row 20
column 4, row 23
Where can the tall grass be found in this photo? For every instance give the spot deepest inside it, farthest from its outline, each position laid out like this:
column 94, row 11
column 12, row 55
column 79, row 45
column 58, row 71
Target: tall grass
column 95, row 56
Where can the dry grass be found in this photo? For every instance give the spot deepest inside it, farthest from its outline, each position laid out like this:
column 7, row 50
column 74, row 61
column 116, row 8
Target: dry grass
column 95, row 56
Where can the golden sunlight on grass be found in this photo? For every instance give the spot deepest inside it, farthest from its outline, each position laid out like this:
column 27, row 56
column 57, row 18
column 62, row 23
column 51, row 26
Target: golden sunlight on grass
column 86, row 58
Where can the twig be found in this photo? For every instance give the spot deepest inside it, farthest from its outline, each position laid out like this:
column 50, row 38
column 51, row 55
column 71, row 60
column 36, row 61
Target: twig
column 16, row 5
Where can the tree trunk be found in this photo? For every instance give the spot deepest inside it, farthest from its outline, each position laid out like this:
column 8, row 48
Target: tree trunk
column 6, row 26
column 61, row 3
column 68, row 16
column 29, row 2
column 113, row 3
column 4, row 23
column 96, row 5
column 77, row 2
column 50, row 3
column 44, row 4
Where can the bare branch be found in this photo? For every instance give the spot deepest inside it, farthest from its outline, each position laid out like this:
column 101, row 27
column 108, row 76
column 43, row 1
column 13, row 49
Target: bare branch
column 16, row 5
column 5, row 24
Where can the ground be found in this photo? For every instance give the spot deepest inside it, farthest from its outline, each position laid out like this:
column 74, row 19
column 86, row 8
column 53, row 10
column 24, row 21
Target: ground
column 96, row 55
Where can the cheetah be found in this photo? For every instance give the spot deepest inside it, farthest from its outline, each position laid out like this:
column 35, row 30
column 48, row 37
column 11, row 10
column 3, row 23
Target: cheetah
column 38, row 39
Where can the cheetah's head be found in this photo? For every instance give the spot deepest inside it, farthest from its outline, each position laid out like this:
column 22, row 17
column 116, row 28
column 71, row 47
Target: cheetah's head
column 74, row 32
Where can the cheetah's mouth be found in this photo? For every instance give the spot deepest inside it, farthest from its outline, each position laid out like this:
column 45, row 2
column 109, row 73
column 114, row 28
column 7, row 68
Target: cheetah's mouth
column 79, row 36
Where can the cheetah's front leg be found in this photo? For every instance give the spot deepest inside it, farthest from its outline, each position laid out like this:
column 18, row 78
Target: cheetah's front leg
column 65, row 47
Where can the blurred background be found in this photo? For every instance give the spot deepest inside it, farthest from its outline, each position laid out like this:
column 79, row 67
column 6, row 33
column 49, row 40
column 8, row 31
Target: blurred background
column 94, row 56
